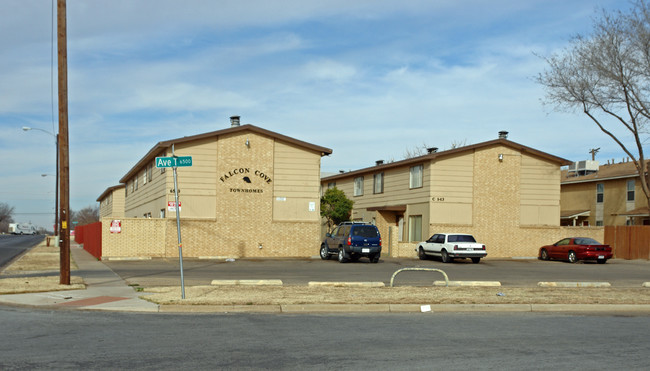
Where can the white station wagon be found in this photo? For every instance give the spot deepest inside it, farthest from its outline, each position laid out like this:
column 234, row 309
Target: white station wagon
column 451, row 245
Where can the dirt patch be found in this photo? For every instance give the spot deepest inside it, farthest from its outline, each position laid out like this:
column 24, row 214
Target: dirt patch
column 38, row 284
column 242, row 295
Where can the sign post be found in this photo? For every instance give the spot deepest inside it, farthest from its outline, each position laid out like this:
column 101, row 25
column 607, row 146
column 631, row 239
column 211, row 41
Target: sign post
column 174, row 162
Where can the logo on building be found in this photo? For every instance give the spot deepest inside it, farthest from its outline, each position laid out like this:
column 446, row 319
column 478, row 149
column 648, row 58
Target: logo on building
column 239, row 178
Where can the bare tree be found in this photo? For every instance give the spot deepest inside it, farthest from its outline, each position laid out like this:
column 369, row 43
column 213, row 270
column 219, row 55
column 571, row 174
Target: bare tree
column 416, row 151
column 87, row 215
column 6, row 216
column 606, row 75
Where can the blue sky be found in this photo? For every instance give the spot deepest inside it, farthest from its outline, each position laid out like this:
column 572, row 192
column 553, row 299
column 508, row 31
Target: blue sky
column 368, row 79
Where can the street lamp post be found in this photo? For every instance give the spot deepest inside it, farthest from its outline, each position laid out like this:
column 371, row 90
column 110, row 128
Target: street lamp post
column 56, row 190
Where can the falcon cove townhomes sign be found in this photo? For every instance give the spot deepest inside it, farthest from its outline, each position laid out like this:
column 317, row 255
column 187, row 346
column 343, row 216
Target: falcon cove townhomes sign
column 240, row 177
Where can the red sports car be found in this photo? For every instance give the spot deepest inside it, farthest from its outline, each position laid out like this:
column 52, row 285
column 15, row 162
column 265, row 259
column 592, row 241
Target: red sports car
column 576, row 248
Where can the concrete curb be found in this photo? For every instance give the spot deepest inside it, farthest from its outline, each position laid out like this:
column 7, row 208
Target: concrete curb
column 405, row 308
column 468, row 283
column 346, row 284
column 575, row 284
column 246, row 282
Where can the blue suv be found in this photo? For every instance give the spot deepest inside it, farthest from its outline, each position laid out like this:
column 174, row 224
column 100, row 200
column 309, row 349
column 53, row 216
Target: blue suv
column 351, row 241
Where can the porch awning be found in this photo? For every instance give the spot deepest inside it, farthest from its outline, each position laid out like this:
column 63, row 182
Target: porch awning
column 401, row 208
column 572, row 214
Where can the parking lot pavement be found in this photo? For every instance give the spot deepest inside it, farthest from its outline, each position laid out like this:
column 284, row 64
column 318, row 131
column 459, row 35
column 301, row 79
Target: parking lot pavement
column 510, row 272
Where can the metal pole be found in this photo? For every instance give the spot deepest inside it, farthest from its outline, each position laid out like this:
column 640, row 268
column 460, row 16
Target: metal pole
column 64, row 161
column 178, row 226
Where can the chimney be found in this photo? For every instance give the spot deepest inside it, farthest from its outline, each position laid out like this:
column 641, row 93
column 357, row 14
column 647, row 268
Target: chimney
column 503, row 135
column 341, row 171
column 432, row 150
column 234, row 121
column 379, row 162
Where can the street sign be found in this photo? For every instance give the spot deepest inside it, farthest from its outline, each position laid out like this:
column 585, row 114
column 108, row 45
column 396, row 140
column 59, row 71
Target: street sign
column 174, row 161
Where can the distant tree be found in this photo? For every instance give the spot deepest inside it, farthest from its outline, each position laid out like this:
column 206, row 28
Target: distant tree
column 6, row 216
column 87, row 215
column 606, row 75
column 416, row 151
column 335, row 207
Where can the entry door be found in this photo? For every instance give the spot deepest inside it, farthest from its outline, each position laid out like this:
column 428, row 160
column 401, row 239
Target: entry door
column 400, row 231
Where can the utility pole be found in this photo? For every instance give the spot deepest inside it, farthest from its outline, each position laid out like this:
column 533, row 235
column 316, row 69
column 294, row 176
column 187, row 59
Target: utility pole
column 593, row 153
column 64, row 161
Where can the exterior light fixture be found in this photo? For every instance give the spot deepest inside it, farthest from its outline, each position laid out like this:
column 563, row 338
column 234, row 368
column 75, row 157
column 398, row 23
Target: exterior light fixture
column 501, row 157
column 248, row 143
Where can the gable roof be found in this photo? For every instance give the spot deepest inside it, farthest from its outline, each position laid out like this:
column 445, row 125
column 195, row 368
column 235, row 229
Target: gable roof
column 439, row 155
column 605, row 172
column 160, row 146
column 109, row 190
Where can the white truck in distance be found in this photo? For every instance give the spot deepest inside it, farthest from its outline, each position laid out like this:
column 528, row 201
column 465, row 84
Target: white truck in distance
column 22, row 228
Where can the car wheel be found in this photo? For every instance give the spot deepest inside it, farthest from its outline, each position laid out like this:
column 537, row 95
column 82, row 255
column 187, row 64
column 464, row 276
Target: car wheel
column 342, row 256
column 445, row 257
column 374, row 258
column 601, row 261
column 476, row 260
column 324, row 252
column 421, row 254
column 543, row 255
column 572, row 257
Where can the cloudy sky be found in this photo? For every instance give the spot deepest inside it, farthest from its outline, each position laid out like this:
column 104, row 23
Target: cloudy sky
column 369, row 79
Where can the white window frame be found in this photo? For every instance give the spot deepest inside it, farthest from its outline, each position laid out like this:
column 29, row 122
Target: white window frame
column 415, row 176
column 378, row 183
column 358, row 186
column 630, row 191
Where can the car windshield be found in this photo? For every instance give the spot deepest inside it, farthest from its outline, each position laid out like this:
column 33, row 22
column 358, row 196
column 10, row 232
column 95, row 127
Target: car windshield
column 585, row 241
column 460, row 238
column 364, row 231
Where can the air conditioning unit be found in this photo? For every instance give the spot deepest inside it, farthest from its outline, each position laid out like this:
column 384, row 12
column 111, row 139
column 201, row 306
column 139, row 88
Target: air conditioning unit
column 583, row 167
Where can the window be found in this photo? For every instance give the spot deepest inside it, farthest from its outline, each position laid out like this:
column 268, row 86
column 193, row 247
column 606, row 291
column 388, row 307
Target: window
column 600, row 193
column 599, row 223
column 150, row 172
column 358, row 186
column 144, row 177
column 378, row 180
column 331, row 185
column 162, row 213
column 415, row 180
column 630, row 190
column 135, row 183
column 415, row 228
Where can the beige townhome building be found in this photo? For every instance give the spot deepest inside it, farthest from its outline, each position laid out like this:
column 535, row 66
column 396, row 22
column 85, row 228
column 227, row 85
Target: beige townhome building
column 111, row 202
column 603, row 195
column 249, row 192
column 506, row 194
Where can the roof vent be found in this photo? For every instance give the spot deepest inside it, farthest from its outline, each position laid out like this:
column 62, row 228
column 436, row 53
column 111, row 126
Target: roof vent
column 432, row 150
column 234, row 121
column 341, row 171
column 379, row 162
column 503, row 135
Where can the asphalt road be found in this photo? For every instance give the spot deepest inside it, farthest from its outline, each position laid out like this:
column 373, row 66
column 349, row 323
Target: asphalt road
column 523, row 273
column 423, row 341
column 14, row 245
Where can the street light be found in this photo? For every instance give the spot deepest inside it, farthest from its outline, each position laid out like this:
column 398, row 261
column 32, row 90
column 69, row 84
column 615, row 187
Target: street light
column 56, row 182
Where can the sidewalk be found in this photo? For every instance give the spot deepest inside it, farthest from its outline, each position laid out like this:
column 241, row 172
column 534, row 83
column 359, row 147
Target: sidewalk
column 105, row 290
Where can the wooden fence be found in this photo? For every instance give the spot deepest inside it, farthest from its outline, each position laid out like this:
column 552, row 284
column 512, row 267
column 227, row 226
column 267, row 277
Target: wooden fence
column 90, row 235
column 629, row 242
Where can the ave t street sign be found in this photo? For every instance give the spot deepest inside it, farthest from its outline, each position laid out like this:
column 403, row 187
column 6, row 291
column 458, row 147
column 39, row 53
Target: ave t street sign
column 174, row 161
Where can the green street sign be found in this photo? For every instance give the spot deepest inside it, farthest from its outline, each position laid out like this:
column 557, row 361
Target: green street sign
column 174, row 161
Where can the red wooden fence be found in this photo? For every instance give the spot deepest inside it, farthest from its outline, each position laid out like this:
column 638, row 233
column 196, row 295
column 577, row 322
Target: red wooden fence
column 629, row 242
column 90, row 235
